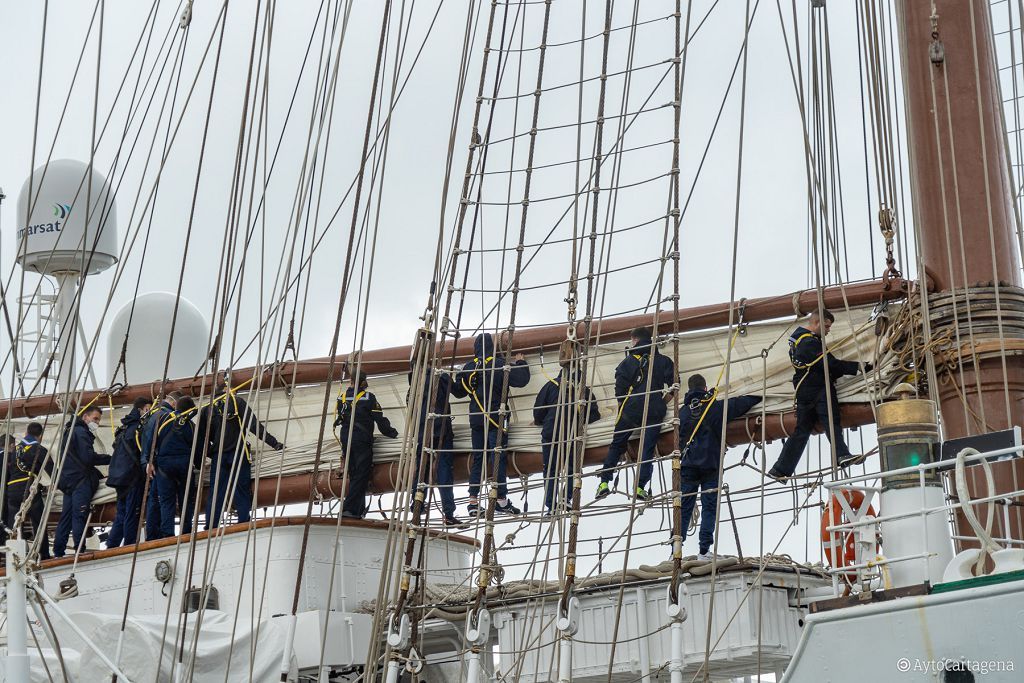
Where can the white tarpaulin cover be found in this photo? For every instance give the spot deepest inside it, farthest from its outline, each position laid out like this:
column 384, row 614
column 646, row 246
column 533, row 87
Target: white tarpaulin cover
column 296, row 418
column 225, row 650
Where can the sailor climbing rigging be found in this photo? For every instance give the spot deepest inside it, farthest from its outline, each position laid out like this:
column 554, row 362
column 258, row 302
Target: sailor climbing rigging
column 483, row 381
column 358, row 413
column 815, row 394
column 226, row 423
column 700, row 441
column 643, row 366
column 561, row 408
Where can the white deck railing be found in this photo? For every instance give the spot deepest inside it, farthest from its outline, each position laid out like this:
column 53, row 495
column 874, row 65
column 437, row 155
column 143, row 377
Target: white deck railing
column 858, row 520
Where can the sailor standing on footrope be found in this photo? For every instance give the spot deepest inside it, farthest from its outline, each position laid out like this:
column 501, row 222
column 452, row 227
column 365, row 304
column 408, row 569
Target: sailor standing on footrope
column 483, row 381
column 79, row 477
column 127, row 476
column 358, row 412
column 814, row 395
column 637, row 409
column 226, row 423
column 700, row 442
column 29, row 459
column 562, row 408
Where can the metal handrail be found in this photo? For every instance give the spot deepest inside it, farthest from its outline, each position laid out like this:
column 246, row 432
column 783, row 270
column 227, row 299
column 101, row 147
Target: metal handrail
column 860, row 483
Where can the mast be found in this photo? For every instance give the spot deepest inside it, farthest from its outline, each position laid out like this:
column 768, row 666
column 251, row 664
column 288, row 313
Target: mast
column 963, row 204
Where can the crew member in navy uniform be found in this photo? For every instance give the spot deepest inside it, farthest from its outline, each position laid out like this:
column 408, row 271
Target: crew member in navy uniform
column 28, row 460
column 631, row 378
column 8, row 447
column 436, row 433
column 560, row 411
column 357, row 412
column 127, row 476
column 79, row 477
column 482, row 380
column 226, row 423
column 813, row 394
column 173, row 463
column 700, row 442
column 147, row 428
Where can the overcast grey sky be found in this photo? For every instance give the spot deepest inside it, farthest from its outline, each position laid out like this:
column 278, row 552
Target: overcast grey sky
column 773, row 218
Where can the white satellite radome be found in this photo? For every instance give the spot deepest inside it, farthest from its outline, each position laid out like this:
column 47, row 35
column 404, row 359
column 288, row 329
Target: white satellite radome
column 149, row 335
column 56, row 239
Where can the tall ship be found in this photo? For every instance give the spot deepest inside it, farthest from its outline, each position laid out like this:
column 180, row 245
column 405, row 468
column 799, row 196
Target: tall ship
column 481, row 341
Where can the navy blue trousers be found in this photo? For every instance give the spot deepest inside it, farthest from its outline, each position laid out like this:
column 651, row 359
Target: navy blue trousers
column 152, row 512
column 73, row 514
column 35, row 516
column 444, row 478
column 808, row 413
column 125, row 528
column 692, row 479
column 171, row 475
column 625, row 427
column 552, row 475
column 476, row 466
column 359, row 463
column 242, row 497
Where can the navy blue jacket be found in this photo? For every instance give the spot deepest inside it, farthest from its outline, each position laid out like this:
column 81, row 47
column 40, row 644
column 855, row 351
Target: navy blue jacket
column 152, row 421
column 550, row 410
column 631, row 384
column 362, row 409
column 441, row 426
column 80, row 457
column 174, row 438
column 482, row 380
column 805, row 353
column 27, row 461
column 240, row 419
column 126, row 461
column 706, row 446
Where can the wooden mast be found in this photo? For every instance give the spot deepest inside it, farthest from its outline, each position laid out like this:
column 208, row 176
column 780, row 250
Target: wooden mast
column 963, row 204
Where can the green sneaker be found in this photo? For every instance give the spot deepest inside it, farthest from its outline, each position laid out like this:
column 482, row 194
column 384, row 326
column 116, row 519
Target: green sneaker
column 642, row 494
column 603, row 491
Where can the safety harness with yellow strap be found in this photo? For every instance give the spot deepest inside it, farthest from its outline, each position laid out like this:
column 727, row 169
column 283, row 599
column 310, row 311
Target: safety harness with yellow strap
column 799, row 365
column 223, row 398
column 629, row 392
column 471, row 389
column 23, row 449
column 713, row 394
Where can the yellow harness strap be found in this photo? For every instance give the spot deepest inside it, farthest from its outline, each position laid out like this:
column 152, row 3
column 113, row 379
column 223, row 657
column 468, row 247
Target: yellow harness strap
column 622, row 405
column 344, row 398
column 714, row 392
column 806, row 367
column 230, row 391
column 472, row 390
column 27, row 473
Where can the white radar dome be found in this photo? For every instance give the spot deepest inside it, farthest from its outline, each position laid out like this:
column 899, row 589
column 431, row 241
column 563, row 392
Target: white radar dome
column 56, row 239
column 148, row 338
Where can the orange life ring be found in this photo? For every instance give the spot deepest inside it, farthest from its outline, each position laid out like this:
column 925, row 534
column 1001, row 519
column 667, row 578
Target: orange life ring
column 829, row 539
